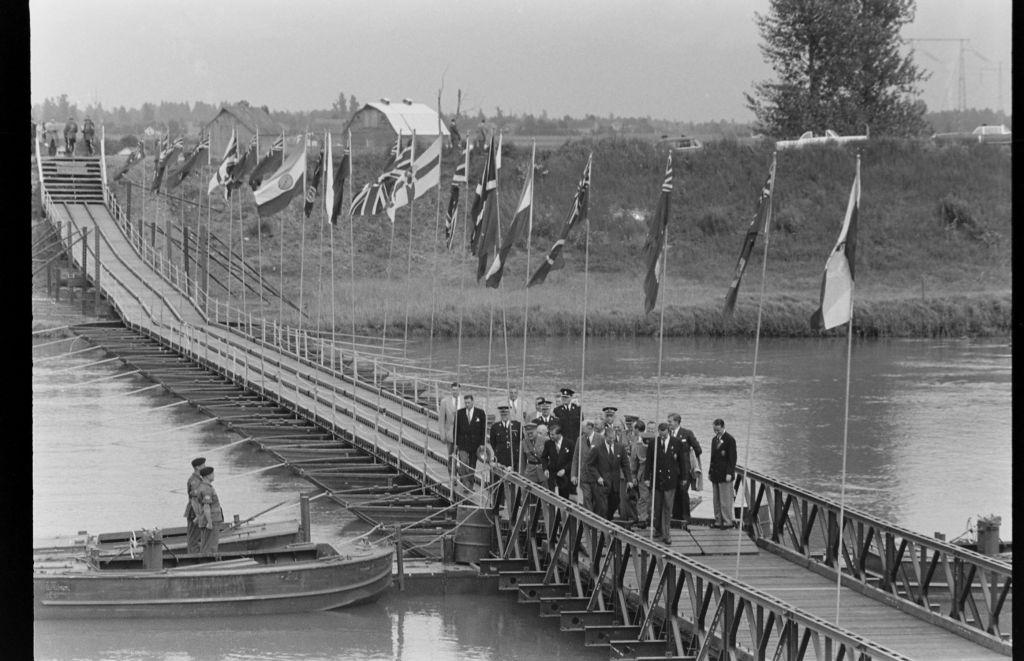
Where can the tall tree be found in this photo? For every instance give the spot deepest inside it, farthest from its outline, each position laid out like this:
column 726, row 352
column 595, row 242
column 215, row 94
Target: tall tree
column 838, row 66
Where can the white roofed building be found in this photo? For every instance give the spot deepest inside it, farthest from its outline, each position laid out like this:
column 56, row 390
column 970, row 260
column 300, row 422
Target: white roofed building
column 376, row 125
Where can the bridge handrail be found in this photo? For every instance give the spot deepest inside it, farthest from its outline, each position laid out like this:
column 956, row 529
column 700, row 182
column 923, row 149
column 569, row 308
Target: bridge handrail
column 731, row 589
column 931, row 578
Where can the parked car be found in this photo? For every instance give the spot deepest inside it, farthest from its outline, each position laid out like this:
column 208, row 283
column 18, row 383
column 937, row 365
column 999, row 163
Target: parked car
column 996, row 134
column 681, row 144
column 829, row 137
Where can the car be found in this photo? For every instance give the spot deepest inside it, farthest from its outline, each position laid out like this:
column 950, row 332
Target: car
column 683, row 143
column 829, row 137
column 995, row 134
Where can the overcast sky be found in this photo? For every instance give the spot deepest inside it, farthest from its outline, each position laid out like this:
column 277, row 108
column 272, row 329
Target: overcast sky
column 674, row 59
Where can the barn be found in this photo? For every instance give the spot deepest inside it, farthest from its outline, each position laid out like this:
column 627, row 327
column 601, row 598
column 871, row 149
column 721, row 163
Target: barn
column 246, row 120
column 376, row 125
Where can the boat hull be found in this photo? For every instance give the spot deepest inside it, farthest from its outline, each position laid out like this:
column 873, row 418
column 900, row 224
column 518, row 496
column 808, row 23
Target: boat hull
column 208, row 591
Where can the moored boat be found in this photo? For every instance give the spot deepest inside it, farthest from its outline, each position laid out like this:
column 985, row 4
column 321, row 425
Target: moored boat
column 291, row 579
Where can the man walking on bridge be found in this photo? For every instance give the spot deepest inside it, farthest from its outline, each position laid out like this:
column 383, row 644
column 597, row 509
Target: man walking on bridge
column 665, row 457
column 721, row 471
column 448, row 407
column 70, row 136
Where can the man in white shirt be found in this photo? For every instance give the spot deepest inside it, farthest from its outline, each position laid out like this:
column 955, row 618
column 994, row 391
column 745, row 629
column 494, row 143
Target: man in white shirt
column 446, row 410
column 516, row 405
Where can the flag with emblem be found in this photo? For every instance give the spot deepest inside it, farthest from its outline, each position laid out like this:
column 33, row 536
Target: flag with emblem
column 278, row 189
column 424, row 175
column 133, row 158
column 836, row 304
column 268, row 164
column 313, row 185
column 193, row 157
column 577, row 214
column 453, row 197
column 484, row 213
column 375, row 197
column 654, row 250
column 246, row 164
column 760, row 220
column 222, row 176
column 520, row 220
column 169, row 153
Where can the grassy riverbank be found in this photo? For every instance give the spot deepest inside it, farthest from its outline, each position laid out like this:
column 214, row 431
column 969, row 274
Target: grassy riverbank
column 933, row 253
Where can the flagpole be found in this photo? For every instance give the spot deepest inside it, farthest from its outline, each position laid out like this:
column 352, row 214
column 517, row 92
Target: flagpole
column 280, row 250
column 408, row 271
column 352, row 264
column 437, row 225
column 586, row 270
column 259, row 242
column 387, row 268
column 462, row 277
column 757, row 346
column 241, row 240
column 846, row 427
column 334, row 317
column 302, row 243
column 496, row 247
column 231, row 232
column 526, row 289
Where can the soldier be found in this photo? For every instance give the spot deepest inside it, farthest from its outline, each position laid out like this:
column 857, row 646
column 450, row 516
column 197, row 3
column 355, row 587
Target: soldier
column 70, row 136
column 638, row 465
column 569, row 415
column 88, row 131
column 544, row 416
column 533, row 447
column 579, row 476
column 681, row 507
column 212, row 515
column 192, row 507
column 665, row 457
column 610, row 419
column 505, row 438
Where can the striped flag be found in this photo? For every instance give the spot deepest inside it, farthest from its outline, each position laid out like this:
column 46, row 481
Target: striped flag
column 175, row 178
column 577, row 214
column 246, row 164
column 519, row 222
column 453, row 197
column 133, row 158
column 655, row 248
column 760, row 220
column 314, row 184
column 268, row 164
column 424, row 175
column 168, row 154
column 222, row 176
column 836, row 306
column 328, row 175
column 278, row 189
column 485, row 214
column 375, row 197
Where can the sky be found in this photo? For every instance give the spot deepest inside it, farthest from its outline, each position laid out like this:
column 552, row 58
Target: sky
column 685, row 60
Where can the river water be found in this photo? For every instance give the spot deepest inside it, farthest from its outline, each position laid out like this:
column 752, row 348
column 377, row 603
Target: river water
column 929, row 448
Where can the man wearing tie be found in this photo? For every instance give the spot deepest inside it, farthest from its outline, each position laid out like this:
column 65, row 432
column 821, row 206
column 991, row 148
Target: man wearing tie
column 687, row 439
column 470, row 424
column 665, row 457
column 448, row 407
column 516, row 405
column 579, row 474
column 721, row 471
column 557, row 457
column 569, row 415
column 606, row 463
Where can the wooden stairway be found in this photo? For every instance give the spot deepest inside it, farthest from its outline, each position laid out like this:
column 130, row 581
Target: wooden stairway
column 73, row 179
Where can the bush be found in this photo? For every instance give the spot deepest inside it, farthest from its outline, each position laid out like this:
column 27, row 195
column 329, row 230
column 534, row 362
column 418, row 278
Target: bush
column 957, row 214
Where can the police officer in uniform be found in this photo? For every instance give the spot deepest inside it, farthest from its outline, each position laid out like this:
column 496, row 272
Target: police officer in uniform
column 211, row 515
column 569, row 415
column 533, row 447
column 192, row 507
column 505, row 437
column 544, row 416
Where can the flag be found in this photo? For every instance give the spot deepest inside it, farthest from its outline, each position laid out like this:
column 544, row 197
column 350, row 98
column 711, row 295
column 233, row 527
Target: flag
column 269, row 163
column 654, row 248
column 199, row 151
column 519, row 222
column 577, row 214
column 328, row 176
column 246, row 163
column 836, row 305
column 485, row 214
column 375, row 197
column 133, row 158
column 168, row 154
column 222, row 176
column 340, row 174
column 314, row 184
column 453, row 197
column 425, row 174
column 760, row 220
column 278, row 189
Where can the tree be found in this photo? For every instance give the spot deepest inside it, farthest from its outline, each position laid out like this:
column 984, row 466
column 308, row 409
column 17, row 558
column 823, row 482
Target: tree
column 340, row 107
column 353, row 105
column 839, row 67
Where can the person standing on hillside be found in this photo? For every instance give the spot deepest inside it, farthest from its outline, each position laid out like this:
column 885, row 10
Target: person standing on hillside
column 70, row 136
column 193, row 507
column 721, row 471
column 211, row 515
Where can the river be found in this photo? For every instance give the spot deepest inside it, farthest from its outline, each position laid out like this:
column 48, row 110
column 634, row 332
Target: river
column 929, row 448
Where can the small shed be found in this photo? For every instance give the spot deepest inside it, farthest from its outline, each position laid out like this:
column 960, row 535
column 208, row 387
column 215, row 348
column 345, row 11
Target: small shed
column 376, row 125
column 245, row 120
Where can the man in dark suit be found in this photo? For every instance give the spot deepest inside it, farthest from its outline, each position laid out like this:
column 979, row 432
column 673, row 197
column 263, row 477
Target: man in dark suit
column 580, row 476
column 470, row 426
column 505, row 437
column 606, row 463
column 569, row 415
column 557, row 460
column 721, row 472
column 544, row 416
column 665, row 460
column 686, row 437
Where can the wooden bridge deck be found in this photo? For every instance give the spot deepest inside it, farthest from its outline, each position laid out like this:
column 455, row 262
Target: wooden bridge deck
column 405, row 434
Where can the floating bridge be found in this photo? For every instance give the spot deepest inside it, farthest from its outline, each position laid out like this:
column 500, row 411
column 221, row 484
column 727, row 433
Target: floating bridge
column 361, row 425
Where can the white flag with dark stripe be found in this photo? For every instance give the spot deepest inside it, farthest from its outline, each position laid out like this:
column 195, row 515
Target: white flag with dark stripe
column 836, row 306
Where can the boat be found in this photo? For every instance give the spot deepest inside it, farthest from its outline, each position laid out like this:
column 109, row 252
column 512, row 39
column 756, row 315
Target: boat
column 249, row 536
column 295, row 578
